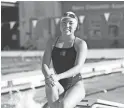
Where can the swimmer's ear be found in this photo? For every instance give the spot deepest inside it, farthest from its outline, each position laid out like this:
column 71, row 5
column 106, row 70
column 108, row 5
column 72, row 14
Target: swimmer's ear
column 77, row 27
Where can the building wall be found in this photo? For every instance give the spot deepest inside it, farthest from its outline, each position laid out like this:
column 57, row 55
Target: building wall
column 40, row 11
column 96, row 30
column 88, row 7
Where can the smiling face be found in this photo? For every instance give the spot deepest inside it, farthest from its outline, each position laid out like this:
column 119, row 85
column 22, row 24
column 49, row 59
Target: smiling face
column 68, row 25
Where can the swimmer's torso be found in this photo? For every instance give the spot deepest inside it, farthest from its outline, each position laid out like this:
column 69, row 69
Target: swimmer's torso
column 64, row 59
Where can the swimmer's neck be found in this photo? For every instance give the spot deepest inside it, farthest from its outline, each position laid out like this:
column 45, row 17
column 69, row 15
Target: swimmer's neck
column 64, row 37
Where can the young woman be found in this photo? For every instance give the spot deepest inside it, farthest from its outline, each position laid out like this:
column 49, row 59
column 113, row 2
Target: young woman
column 65, row 88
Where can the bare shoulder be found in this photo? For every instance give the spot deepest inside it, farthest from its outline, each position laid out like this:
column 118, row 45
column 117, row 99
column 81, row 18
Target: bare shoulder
column 50, row 42
column 80, row 43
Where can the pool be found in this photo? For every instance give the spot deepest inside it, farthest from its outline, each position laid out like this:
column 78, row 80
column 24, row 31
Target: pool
column 107, row 87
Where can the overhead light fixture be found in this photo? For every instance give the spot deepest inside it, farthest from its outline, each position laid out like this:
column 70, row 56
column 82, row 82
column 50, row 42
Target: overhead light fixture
column 9, row 3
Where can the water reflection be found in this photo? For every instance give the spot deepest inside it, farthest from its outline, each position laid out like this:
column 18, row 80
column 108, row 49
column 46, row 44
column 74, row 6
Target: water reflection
column 21, row 100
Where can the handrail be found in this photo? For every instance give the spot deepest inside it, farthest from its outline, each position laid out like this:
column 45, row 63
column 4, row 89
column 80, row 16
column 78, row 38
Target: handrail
column 106, row 104
column 96, row 105
column 92, row 53
column 88, row 70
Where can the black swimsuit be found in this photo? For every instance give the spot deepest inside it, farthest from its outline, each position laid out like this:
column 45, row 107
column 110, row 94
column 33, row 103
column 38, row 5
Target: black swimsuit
column 64, row 59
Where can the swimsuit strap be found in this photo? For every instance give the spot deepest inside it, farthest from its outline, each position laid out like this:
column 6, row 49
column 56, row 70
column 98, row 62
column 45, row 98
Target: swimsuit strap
column 56, row 41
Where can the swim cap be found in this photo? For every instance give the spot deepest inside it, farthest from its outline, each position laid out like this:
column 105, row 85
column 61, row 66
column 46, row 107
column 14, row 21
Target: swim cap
column 69, row 15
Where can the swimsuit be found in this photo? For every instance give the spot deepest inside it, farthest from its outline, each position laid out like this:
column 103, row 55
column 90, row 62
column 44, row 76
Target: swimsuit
column 64, row 59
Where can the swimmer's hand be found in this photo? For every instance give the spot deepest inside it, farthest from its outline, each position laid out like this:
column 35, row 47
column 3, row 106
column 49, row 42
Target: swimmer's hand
column 49, row 82
column 55, row 77
column 48, row 79
column 52, row 80
column 50, row 74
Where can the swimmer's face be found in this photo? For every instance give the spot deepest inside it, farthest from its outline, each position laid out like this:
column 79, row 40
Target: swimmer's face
column 68, row 25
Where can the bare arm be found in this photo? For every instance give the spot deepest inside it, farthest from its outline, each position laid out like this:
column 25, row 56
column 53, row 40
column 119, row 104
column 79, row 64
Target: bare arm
column 46, row 65
column 47, row 57
column 81, row 48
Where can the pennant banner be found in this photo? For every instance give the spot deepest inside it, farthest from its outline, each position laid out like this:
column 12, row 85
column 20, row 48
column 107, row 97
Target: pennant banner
column 57, row 20
column 81, row 19
column 34, row 23
column 106, row 16
column 12, row 24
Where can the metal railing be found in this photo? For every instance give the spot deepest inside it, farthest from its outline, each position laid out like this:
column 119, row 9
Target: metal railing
column 106, row 104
